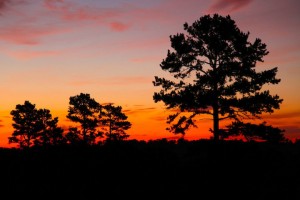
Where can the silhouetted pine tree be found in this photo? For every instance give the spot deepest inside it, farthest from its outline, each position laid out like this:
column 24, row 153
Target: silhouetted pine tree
column 84, row 110
column 213, row 73
column 34, row 126
column 114, row 123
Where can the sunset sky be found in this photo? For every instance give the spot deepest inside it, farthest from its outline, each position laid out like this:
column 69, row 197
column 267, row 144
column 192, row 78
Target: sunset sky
column 53, row 49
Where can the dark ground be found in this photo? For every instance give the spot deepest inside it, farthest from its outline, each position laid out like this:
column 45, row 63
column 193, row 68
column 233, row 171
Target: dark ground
column 153, row 170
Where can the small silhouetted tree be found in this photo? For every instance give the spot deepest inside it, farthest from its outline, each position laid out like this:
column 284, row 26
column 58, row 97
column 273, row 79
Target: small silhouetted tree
column 114, row 123
column 25, row 119
column 213, row 69
column 50, row 133
column 34, row 126
column 84, row 110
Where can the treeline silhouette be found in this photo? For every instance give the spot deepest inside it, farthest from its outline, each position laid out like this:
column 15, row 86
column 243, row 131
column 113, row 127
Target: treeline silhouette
column 159, row 169
column 36, row 127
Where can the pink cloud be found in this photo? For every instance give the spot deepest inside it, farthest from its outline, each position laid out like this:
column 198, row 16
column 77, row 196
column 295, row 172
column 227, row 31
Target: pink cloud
column 23, row 24
column 19, row 36
column 72, row 12
column 149, row 43
column 52, row 4
column 66, row 10
column 27, row 35
column 118, row 26
column 28, row 55
column 228, row 5
column 111, row 17
column 8, row 4
column 3, row 3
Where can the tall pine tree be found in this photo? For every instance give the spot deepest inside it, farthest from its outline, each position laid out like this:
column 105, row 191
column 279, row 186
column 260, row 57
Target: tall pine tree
column 213, row 68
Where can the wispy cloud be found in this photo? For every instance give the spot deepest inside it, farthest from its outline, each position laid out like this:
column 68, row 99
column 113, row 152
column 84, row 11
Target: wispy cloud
column 228, row 5
column 7, row 4
column 72, row 12
column 139, row 110
column 7, row 117
column 28, row 55
column 27, row 34
column 31, row 21
column 288, row 121
column 291, row 130
column 52, row 4
column 3, row 4
column 27, row 22
column 121, row 17
column 285, row 115
column 119, row 26
column 160, row 118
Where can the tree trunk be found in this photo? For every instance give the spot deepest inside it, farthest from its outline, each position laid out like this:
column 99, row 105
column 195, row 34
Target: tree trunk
column 215, row 105
column 216, row 122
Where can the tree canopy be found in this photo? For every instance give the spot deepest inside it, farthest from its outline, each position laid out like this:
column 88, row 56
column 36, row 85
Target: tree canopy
column 34, row 126
column 114, row 123
column 84, row 110
column 212, row 68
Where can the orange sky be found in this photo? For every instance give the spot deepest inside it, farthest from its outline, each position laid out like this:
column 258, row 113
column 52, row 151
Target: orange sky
column 53, row 49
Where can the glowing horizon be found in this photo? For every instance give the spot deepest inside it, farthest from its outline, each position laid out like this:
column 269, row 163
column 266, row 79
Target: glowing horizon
column 53, row 49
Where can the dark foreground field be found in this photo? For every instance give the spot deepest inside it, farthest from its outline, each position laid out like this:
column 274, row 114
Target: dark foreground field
column 153, row 170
